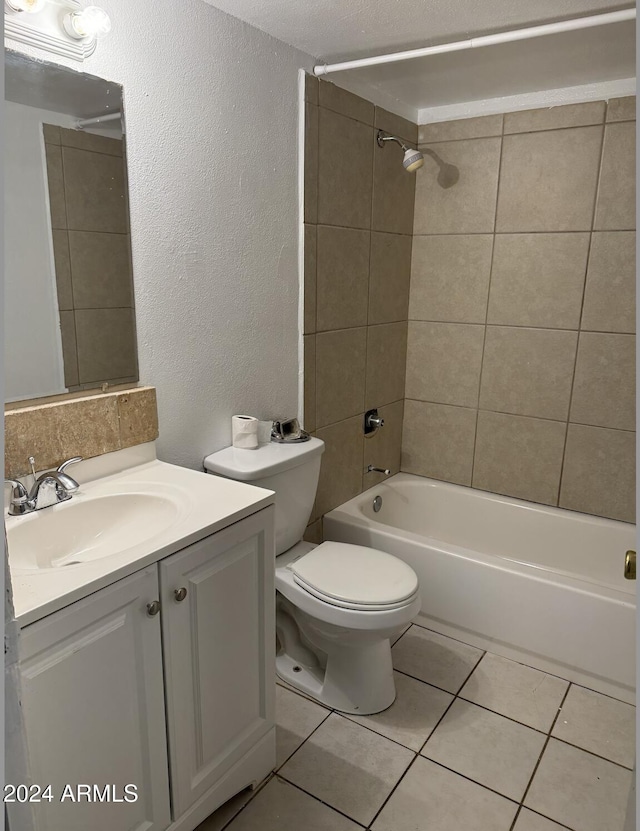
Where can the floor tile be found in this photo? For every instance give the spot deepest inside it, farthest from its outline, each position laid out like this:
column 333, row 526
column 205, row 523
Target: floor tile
column 528, row 821
column 598, row 723
column 486, row 747
column 348, row 767
column 434, row 658
column 412, row 716
column 430, row 797
column 226, row 812
column 281, row 807
column 516, row 691
column 580, row 790
column 296, row 719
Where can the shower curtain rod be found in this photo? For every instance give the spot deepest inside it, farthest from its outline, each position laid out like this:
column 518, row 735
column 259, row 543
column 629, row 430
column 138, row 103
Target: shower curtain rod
column 484, row 40
column 99, row 119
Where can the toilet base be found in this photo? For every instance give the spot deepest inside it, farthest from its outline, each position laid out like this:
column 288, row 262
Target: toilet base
column 355, row 681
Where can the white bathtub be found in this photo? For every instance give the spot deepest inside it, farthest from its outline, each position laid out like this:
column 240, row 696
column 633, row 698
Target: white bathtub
column 541, row 585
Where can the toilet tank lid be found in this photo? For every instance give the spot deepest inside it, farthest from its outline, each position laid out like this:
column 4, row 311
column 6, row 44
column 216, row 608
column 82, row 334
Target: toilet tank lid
column 268, row 459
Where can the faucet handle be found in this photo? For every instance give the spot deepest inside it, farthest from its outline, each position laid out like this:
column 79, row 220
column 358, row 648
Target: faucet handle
column 69, row 484
column 18, row 491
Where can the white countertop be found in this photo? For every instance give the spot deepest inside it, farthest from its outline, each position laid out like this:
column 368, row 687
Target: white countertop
column 206, row 504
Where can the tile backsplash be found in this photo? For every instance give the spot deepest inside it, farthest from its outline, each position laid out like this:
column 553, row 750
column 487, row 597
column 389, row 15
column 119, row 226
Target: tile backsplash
column 359, row 206
column 521, row 334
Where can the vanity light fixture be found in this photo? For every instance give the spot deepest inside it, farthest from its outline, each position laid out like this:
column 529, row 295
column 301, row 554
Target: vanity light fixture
column 29, row 6
column 90, row 22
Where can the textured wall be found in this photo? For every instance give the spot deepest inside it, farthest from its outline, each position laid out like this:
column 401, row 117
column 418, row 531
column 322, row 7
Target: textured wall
column 211, row 116
column 358, row 222
column 521, row 344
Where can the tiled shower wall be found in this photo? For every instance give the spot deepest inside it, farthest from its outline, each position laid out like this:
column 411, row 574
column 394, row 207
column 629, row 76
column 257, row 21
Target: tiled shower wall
column 359, row 206
column 90, row 221
column 520, row 365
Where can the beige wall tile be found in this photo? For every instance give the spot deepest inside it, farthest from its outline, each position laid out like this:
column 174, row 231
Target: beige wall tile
column 386, row 363
column 137, row 416
column 55, row 181
column 548, row 180
column 450, row 277
column 528, row 371
column 341, row 469
column 396, row 125
column 610, row 294
column 69, row 348
column 382, row 449
column 622, row 109
column 393, row 190
column 309, row 423
column 463, row 128
column 344, row 102
column 95, row 191
column 552, row 118
column 51, row 133
column 468, row 206
column 438, row 441
column 311, row 84
column 389, row 277
column 604, row 387
column 106, row 344
column 313, row 532
column 101, row 270
column 519, row 457
column 340, row 374
column 538, row 279
column 342, row 278
column 344, row 171
column 616, row 206
column 599, row 472
column 310, row 284
column 63, row 269
column 55, row 432
column 443, row 362
column 91, row 141
column 311, row 122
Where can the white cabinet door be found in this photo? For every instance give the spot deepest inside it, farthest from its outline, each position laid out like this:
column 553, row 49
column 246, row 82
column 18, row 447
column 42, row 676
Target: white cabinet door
column 219, row 644
column 94, row 709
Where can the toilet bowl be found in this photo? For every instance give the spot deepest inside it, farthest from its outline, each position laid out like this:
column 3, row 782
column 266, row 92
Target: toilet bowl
column 338, row 606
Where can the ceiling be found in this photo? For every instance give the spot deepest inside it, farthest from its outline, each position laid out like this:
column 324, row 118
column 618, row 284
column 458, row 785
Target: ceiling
column 335, row 30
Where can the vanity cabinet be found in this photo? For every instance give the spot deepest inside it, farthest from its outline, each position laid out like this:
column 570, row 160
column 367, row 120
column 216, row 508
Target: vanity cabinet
column 179, row 703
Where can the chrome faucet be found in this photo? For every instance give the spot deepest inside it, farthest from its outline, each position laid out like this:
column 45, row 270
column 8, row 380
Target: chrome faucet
column 372, row 469
column 50, row 488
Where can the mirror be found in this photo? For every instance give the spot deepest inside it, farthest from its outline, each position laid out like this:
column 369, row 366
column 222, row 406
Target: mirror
column 68, row 286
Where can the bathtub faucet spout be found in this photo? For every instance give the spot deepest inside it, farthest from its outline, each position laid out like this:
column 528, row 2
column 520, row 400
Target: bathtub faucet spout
column 385, row 470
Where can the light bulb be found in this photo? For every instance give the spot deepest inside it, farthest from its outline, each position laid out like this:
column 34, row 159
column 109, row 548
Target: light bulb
column 91, row 22
column 30, row 6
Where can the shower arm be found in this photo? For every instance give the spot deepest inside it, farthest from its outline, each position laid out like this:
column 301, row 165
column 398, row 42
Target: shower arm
column 382, row 137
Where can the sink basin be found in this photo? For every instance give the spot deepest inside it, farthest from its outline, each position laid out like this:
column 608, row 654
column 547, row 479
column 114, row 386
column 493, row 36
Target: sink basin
column 83, row 531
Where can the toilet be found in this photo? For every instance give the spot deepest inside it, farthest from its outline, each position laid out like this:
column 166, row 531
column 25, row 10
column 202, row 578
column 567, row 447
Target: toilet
column 338, row 606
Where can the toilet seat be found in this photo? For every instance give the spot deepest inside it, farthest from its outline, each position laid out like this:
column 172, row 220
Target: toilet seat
column 355, row 577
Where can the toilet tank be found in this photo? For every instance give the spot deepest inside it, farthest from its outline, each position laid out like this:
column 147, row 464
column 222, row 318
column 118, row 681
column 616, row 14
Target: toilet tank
column 290, row 470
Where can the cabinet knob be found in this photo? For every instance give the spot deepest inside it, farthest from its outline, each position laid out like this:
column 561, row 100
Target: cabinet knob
column 153, row 608
column 180, row 594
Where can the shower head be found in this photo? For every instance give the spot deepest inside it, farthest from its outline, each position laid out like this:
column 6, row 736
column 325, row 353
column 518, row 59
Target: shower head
column 413, row 159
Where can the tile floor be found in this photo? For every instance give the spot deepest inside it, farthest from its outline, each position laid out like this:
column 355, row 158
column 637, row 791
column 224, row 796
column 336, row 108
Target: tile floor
column 473, row 742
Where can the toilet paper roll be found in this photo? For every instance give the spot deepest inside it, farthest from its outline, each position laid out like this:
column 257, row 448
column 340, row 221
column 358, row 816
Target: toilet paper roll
column 244, row 432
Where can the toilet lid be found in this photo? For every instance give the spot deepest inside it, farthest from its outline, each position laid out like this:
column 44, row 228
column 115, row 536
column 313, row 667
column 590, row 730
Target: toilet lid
column 355, row 574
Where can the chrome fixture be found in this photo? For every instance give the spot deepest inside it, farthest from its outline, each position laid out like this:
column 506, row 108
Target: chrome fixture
column 413, row 159
column 288, row 431
column 372, row 422
column 50, row 488
column 377, row 503
column 373, row 469
column 180, row 594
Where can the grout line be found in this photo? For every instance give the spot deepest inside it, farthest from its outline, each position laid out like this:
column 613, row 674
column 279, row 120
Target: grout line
column 496, row 134
column 304, row 741
column 317, row 799
column 591, row 753
column 495, row 325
